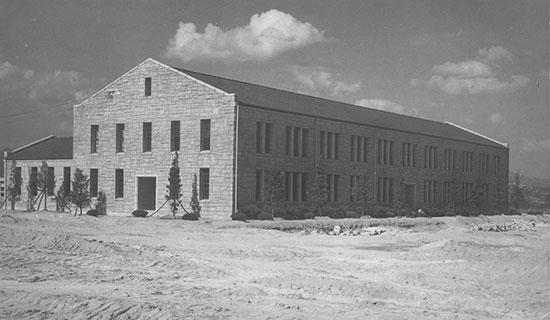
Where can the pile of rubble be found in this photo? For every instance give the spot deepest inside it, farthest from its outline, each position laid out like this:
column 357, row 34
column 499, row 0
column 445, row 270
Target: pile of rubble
column 342, row 231
column 507, row 226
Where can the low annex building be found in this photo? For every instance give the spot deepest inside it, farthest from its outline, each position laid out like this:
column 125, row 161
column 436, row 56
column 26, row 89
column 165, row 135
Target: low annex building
column 230, row 133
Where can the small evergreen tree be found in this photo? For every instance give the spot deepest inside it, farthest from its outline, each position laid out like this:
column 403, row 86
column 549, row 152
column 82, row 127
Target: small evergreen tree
column 274, row 191
column 80, row 194
column 194, row 203
column 173, row 188
column 516, row 194
column 31, row 190
column 12, row 191
column 319, row 189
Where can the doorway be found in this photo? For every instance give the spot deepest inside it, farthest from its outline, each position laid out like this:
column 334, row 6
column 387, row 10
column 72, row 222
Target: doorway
column 146, row 193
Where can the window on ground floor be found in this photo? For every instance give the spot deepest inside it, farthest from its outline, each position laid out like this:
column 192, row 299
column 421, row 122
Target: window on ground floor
column 204, row 181
column 119, row 183
column 93, row 182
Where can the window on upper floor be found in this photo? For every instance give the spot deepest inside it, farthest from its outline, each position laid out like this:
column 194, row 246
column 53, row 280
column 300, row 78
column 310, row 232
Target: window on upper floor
column 175, row 136
column 296, row 141
column 467, row 161
column 147, row 86
column 263, row 137
column 449, row 159
column 94, row 135
column 385, row 152
column 147, row 137
column 120, row 137
column 205, row 135
column 430, row 157
column 408, row 154
column 497, row 163
column 358, row 148
column 329, row 145
column 483, row 163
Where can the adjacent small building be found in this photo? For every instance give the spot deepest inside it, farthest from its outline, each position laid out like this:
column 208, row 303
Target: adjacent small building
column 232, row 133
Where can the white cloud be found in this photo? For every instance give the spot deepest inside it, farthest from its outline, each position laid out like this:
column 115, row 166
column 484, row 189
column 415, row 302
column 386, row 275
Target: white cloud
column 464, row 69
column 319, row 81
column 6, row 69
column 62, row 86
column 454, row 85
column 387, row 105
column 267, row 35
column 474, row 76
column 497, row 118
column 495, row 53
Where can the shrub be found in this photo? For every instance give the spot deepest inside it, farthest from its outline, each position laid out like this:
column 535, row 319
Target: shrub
column 278, row 212
column 377, row 212
column 431, row 212
column 293, row 213
column 140, row 213
column 191, row 216
column 251, row 211
column 101, row 205
column 264, row 215
column 309, row 215
column 353, row 214
column 92, row 212
column 334, row 212
column 239, row 216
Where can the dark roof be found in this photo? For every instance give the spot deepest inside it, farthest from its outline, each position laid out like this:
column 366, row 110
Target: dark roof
column 49, row 148
column 264, row 97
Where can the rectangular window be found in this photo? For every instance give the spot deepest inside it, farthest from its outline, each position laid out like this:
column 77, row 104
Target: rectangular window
column 467, row 161
column 17, row 181
column 336, row 146
column 93, row 182
column 467, row 192
column 296, row 141
column 430, row 157
column 353, row 148
column 204, row 189
column 147, row 86
column 94, row 130
column 447, row 191
column 263, row 137
column 329, row 145
column 50, row 181
column 66, row 180
column 322, row 144
column 119, row 183
column 332, row 187
column 120, row 137
column 288, row 140
column 305, row 133
column 34, row 178
column 174, row 136
column 384, row 192
column 483, row 163
column 295, row 186
column 449, row 159
column 408, row 155
column 147, row 137
column 430, row 190
column 352, row 188
column 260, row 180
column 205, row 134
column 497, row 164
column 385, row 152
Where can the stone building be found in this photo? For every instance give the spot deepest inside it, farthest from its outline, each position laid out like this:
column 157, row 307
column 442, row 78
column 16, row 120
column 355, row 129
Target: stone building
column 231, row 133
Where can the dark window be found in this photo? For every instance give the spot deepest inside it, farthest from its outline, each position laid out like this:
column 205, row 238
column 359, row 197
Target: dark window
column 175, row 136
column 93, row 182
column 259, row 185
column 17, row 181
column 94, row 130
column 120, row 137
column 288, row 140
column 322, row 142
column 263, row 137
column 205, row 134
column 147, row 86
column 66, row 180
column 332, row 187
column 384, row 190
column 119, row 183
column 295, row 186
column 430, row 191
column 33, row 185
column 204, row 190
column 50, row 181
column 385, row 152
column 147, row 135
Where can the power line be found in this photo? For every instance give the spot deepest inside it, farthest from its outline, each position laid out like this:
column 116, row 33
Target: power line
column 33, row 117
column 37, row 110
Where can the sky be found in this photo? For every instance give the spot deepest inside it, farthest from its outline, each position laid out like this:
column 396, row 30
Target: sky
column 480, row 64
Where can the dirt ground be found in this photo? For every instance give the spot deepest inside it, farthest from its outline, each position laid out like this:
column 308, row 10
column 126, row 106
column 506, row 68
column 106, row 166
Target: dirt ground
column 56, row 266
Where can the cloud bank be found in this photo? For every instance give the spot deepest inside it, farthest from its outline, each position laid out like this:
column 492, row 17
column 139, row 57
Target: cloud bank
column 474, row 76
column 319, row 81
column 387, row 105
column 265, row 36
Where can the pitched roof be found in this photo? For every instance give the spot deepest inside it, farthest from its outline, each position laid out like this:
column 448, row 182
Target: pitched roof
column 49, row 148
column 264, row 97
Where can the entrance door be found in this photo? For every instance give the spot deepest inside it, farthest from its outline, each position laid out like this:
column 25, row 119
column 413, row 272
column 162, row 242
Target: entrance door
column 410, row 195
column 146, row 193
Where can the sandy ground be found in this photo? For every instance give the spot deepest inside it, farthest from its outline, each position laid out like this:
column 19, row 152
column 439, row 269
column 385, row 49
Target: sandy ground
column 55, row 266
